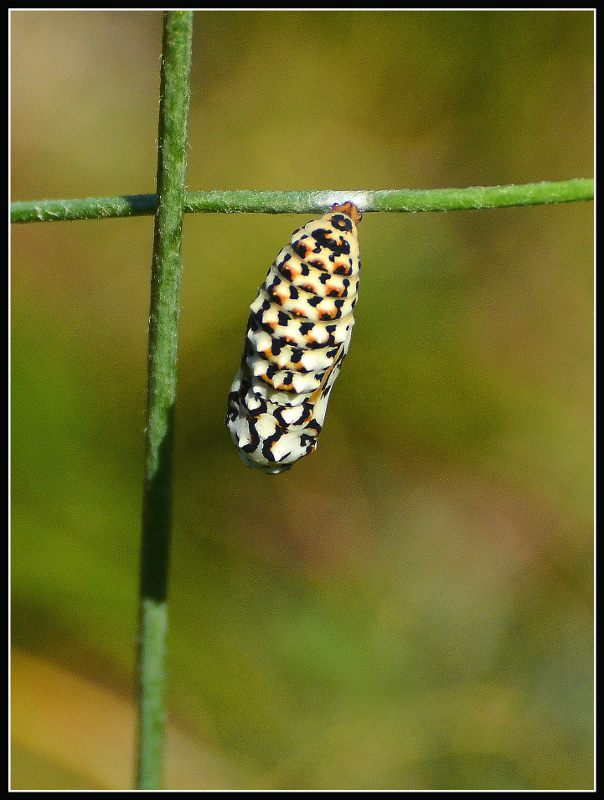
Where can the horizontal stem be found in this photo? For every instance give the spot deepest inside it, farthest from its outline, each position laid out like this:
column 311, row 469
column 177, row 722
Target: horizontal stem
column 310, row 202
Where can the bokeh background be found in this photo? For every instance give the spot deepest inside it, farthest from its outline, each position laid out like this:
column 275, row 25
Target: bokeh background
column 410, row 608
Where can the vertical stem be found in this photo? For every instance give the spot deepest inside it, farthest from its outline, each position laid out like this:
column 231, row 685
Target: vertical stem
column 163, row 341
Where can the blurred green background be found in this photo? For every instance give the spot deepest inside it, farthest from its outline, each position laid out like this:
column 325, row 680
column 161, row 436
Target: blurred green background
column 410, row 608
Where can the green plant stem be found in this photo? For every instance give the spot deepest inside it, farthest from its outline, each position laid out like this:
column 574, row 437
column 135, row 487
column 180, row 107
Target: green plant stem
column 161, row 391
column 392, row 200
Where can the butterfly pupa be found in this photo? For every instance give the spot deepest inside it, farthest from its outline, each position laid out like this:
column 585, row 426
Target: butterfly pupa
column 298, row 334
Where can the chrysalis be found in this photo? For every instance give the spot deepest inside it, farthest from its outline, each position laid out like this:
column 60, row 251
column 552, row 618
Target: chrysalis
column 297, row 336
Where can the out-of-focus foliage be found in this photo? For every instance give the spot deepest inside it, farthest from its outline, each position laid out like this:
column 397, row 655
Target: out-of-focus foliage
column 412, row 606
